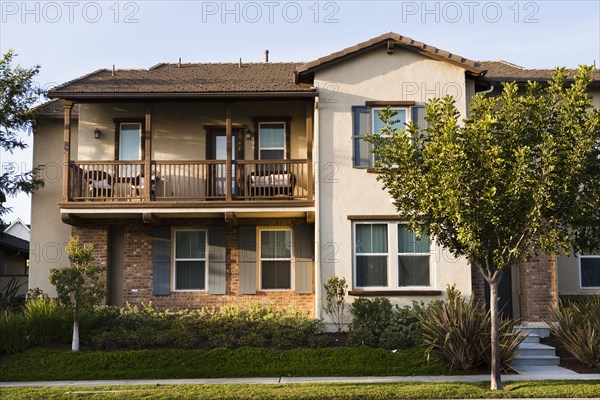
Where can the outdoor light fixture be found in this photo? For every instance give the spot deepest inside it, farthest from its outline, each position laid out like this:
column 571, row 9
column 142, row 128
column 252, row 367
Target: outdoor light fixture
column 97, row 133
column 249, row 134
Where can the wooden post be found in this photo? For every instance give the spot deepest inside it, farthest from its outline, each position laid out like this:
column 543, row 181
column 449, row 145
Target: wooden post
column 309, row 150
column 67, row 107
column 147, row 153
column 228, row 134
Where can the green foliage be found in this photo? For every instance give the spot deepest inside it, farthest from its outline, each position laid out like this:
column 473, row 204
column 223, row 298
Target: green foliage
column 9, row 295
column 231, row 326
column 17, row 96
column 576, row 324
column 46, row 321
column 12, row 333
column 376, row 323
column 335, row 302
column 78, row 286
column 459, row 332
column 48, row 364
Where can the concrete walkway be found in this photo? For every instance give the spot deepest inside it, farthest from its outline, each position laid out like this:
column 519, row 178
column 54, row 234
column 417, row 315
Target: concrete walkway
column 524, row 376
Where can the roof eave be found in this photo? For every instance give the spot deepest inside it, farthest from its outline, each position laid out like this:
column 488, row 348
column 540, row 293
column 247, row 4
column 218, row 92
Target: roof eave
column 170, row 95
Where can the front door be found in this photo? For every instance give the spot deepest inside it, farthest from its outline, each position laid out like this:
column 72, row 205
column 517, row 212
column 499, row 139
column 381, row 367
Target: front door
column 505, row 305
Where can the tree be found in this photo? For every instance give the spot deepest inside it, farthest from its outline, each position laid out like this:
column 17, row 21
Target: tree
column 17, row 96
column 78, row 286
column 520, row 174
column 335, row 302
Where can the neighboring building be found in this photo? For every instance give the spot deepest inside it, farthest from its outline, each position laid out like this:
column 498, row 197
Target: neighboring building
column 209, row 184
column 14, row 255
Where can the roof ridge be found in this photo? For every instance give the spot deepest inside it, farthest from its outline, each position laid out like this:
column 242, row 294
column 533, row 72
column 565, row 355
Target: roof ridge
column 511, row 64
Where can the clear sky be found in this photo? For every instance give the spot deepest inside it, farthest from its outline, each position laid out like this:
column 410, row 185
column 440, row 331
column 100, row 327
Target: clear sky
column 71, row 38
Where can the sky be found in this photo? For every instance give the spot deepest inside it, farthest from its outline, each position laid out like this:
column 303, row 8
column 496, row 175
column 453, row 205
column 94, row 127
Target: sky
column 70, row 38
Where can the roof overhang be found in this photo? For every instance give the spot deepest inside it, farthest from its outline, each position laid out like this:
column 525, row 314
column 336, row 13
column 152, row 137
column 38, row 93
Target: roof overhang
column 112, row 96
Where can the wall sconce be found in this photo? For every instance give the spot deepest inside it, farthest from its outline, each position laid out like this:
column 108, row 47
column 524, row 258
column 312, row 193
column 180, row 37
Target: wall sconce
column 97, row 133
column 249, row 134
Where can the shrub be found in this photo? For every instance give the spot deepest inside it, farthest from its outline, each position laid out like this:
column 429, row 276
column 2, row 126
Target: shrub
column 10, row 299
column 577, row 327
column 459, row 332
column 45, row 320
column 335, row 302
column 404, row 330
column 13, row 338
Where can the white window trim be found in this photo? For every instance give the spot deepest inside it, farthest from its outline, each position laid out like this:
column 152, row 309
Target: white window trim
column 120, row 137
column 581, row 275
column 355, row 255
column 392, row 263
column 174, row 259
column 291, row 259
column 273, row 148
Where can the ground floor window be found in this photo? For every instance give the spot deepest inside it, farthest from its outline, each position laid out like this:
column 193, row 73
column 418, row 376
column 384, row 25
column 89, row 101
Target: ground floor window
column 589, row 268
column 276, row 259
column 388, row 255
column 190, row 260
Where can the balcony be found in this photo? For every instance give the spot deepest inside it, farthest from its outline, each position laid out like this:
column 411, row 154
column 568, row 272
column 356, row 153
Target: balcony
column 102, row 182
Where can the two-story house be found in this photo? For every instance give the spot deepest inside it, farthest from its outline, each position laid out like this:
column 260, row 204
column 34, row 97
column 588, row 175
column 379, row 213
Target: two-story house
column 209, row 184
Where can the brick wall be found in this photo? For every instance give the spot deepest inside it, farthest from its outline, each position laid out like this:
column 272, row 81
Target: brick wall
column 538, row 288
column 137, row 281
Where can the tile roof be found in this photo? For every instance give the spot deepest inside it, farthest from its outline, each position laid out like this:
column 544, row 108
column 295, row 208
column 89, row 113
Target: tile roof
column 395, row 39
column 503, row 71
column 54, row 108
column 187, row 80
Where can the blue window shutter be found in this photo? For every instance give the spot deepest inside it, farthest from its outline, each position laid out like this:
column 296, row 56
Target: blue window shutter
column 217, row 268
column 161, row 261
column 303, row 254
column 418, row 116
column 361, row 154
column 247, row 259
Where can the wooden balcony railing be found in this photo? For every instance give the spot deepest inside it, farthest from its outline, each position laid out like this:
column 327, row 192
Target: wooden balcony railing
column 200, row 180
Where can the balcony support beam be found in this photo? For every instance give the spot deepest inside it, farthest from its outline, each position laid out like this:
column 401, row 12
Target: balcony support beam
column 68, row 108
column 228, row 160
column 147, row 152
column 309, row 149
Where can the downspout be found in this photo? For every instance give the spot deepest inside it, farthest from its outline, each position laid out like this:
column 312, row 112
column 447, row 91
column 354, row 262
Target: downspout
column 317, row 180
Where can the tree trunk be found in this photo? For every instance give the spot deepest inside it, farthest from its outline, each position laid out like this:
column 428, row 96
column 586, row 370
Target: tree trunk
column 496, row 382
column 75, row 342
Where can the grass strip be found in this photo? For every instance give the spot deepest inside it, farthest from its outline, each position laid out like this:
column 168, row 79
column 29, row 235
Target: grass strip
column 528, row 389
column 42, row 364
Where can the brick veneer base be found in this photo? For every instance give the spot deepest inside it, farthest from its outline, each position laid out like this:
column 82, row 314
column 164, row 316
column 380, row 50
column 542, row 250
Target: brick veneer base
column 137, row 266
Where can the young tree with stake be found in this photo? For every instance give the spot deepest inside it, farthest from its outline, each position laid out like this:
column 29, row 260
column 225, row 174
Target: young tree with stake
column 520, row 174
column 79, row 285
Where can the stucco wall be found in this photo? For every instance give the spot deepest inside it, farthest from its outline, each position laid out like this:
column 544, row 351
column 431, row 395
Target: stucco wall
column 344, row 190
column 49, row 235
column 569, row 277
column 178, row 128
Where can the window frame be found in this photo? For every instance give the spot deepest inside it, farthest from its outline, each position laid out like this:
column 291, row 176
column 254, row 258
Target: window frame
column 392, row 259
column 580, row 257
column 286, row 136
column 120, row 121
column 259, row 257
column 356, row 254
column 174, row 258
column 413, row 254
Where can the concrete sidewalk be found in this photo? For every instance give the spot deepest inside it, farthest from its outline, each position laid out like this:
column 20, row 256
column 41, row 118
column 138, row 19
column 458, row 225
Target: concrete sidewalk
column 524, row 376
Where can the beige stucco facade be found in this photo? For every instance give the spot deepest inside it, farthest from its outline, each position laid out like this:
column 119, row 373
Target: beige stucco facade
column 49, row 235
column 345, row 191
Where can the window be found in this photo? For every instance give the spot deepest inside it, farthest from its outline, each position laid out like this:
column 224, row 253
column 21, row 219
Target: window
column 413, row 258
column 371, row 255
column 190, row 260
column 130, row 141
column 399, row 261
column 276, row 259
column 589, row 268
column 366, row 122
column 272, row 140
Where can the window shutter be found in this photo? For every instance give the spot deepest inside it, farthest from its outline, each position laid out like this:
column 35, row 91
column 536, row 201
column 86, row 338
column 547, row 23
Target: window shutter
column 418, row 116
column 247, row 259
column 303, row 253
column 217, row 260
column 161, row 261
column 361, row 126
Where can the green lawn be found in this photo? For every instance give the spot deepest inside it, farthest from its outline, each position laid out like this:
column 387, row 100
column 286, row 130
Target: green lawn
column 557, row 389
column 48, row 364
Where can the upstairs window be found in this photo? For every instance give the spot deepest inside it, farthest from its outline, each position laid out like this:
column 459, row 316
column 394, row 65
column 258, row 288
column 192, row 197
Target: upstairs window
column 272, row 140
column 366, row 121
